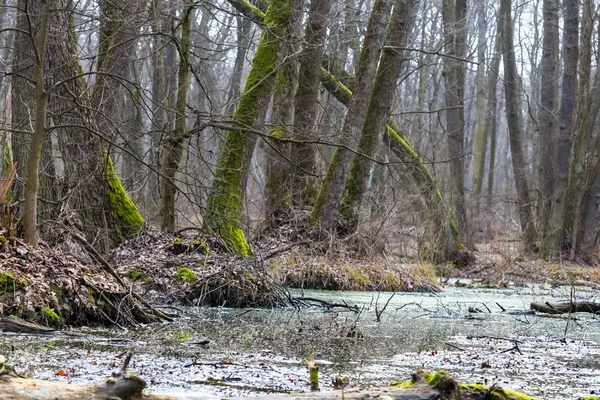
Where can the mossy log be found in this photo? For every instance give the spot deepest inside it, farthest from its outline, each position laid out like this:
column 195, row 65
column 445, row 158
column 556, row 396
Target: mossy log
column 566, row 307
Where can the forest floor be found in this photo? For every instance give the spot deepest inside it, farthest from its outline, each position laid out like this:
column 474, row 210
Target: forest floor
column 67, row 283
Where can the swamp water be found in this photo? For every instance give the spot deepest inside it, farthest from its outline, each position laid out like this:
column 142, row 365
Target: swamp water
column 256, row 351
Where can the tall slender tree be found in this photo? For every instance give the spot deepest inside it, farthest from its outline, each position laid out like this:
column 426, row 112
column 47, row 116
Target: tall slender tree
column 514, row 121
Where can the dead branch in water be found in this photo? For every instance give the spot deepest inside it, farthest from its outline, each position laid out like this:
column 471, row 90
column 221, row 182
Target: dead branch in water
column 566, row 307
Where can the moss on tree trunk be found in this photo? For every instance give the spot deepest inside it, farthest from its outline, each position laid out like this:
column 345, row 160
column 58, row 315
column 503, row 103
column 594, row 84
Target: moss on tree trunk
column 224, row 206
column 106, row 213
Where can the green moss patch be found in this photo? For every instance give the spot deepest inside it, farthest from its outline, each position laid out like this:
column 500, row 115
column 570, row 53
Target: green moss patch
column 185, row 275
column 138, row 275
column 9, row 284
column 49, row 316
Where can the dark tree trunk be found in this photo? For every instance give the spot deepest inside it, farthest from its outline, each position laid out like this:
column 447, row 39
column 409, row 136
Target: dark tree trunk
column 548, row 123
column 304, row 156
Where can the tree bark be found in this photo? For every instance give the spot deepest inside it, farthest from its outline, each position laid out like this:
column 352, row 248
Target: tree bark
column 513, row 119
column 106, row 213
column 325, row 212
column 277, row 187
column 453, row 12
column 491, row 120
column 480, row 145
column 304, row 156
column 225, row 199
column 568, row 105
column 548, row 122
column 30, row 214
column 378, row 113
column 173, row 144
column 578, row 165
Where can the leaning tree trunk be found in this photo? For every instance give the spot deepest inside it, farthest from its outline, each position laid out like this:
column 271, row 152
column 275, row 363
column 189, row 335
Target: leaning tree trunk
column 513, row 119
column 306, row 103
column 173, row 144
column 106, row 213
column 548, row 123
column 450, row 244
column 325, row 212
column 378, row 113
column 224, row 206
column 566, row 115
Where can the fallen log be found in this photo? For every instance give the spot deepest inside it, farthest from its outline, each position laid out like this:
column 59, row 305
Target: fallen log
column 125, row 386
column 566, row 307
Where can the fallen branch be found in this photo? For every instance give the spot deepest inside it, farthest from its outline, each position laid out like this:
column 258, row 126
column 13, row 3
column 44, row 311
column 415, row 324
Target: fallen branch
column 566, row 307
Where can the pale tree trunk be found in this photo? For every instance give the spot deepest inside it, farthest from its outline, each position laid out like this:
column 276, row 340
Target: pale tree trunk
column 378, row 113
column 173, row 143
column 223, row 210
column 159, row 100
column 325, row 212
column 278, row 169
column 491, row 122
column 243, row 42
column 480, row 145
column 513, row 119
column 133, row 168
column 548, row 112
column 568, row 106
column 454, row 34
column 304, row 155
column 107, row 214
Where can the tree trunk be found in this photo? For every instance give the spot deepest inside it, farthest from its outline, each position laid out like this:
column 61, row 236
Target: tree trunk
column 159, row 101
column 480, row 145
column 173, row 144
column 548, row 123
column 568, row 106
column 106, row 212
column 30, row 214
column 303, row 155
column 225, row 199
column 578, row 165
column 513, row 119
column 491, row 121
column 378, row 113
column 453, row 72
column 277, row 188
column 325, row 212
